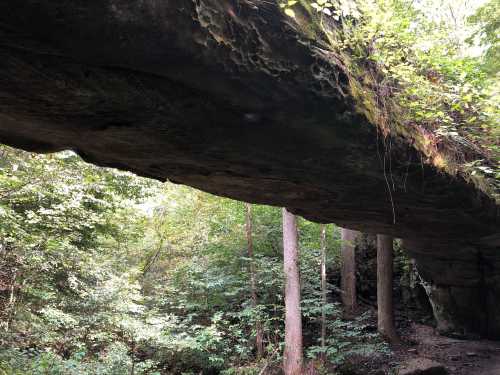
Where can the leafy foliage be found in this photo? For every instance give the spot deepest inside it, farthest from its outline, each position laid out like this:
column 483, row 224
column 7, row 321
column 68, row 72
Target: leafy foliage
column 487, row 18
column 107, row 273
column 411, row 76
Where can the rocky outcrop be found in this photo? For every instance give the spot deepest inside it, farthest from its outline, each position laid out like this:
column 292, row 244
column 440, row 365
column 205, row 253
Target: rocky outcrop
column 225, row 96
column 463, row 284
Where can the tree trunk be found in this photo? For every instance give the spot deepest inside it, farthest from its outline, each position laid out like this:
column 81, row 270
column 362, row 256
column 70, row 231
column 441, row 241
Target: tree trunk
column 349, row 271
column 11, row 305
column 132, row 369
column 323, row 292
column 385, row 306
column 253, row 283
column 292, row 358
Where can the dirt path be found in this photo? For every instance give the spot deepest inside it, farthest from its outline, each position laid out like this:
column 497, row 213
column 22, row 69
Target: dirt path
column 461, row 357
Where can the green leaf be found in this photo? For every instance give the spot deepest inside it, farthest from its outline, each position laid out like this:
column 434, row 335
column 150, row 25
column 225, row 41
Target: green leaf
column 289, row 12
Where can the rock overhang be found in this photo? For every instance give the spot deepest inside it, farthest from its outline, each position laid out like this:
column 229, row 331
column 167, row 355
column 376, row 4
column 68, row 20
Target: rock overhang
column 224, row 96
column 227, row 98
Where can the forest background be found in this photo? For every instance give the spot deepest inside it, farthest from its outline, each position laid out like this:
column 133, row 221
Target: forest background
column 103, row 272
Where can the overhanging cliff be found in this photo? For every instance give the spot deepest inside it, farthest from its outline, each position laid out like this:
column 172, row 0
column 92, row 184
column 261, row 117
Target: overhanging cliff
column 225, row 96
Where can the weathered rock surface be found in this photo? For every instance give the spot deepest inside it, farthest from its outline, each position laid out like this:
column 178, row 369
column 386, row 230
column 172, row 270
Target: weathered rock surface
column 224, row 96
column 422, row 366
column 463, row 283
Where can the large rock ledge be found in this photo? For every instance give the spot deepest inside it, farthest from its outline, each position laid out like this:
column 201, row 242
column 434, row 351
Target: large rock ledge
column 223, row 96
column 463, row 284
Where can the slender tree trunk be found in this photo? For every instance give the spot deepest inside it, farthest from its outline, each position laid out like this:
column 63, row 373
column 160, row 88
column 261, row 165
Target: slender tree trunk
column 385, row 306
column 323, row 292
column 12, row 298
column 253, row 283
column 132, row 369
column 11, row 305
column 292, row 358
column 349, row 271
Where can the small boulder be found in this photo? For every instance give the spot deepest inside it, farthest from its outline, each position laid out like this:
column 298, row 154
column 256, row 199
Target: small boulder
column 422, row 366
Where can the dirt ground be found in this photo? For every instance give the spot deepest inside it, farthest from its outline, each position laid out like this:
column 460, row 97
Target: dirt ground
column 461, row 357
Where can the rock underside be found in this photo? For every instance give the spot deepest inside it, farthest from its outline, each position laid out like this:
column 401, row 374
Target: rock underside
column 225, row 96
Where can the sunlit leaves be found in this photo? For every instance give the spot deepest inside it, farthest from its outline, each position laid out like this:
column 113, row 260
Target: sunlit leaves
column 330, row 8
column 287, row 7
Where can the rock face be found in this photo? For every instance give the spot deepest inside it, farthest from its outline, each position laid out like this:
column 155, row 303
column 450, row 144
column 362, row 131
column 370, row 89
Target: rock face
column 223, row 95
column 463, row 283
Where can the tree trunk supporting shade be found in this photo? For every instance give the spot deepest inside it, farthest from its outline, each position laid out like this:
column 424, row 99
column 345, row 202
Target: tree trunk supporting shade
column 259, row 345
column 323, row 292
column 292, row 358
column 385, row 306
column 349, row 271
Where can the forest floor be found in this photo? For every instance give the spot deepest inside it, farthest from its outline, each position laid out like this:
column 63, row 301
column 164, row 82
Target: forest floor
column 421, row 340
column 422, row 344
column 460, row 357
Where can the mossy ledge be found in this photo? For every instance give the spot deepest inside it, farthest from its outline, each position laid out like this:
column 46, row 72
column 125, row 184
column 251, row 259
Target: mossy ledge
column 452, row 155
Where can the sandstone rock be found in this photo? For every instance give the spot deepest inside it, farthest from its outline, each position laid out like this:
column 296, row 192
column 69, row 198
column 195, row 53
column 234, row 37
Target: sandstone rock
column 234, row 102
column 422, row 366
